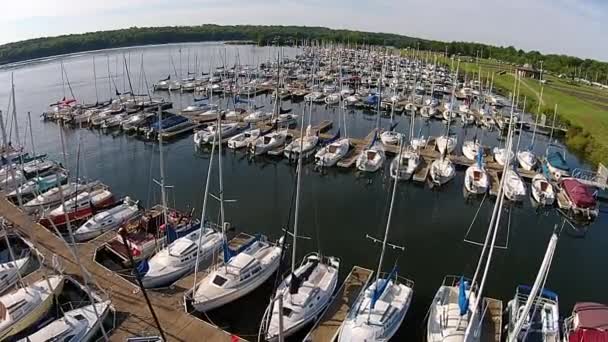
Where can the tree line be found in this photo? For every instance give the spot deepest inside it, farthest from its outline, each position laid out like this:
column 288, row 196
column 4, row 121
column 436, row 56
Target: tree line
column 263, row 35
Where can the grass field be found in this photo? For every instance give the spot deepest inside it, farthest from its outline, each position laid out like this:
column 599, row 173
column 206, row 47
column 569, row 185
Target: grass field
column 583, row 108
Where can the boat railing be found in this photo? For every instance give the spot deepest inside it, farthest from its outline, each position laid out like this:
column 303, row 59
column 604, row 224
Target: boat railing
column 400, row 279
column 454, row 280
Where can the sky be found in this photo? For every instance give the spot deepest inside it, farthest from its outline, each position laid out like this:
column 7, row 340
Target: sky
column 572, row 27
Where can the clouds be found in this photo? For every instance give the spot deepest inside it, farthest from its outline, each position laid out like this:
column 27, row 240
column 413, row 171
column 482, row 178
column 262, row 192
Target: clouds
column 559, row 26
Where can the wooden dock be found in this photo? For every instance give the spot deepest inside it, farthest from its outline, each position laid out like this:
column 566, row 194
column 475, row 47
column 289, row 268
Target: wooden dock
column 491, row 327
column 357, row 146
column 327, row 328
column 134, row 318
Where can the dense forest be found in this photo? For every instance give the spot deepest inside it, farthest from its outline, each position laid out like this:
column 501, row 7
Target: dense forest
column 263, row 35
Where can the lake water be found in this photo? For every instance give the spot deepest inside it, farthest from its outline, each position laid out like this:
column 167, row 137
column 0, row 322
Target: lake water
column 339, row 207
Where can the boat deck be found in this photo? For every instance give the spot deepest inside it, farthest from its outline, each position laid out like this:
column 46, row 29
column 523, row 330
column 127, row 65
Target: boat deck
column 133, row 316
column 326, row 329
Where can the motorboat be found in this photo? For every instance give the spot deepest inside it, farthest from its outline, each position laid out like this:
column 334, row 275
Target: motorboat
column 241, row 272
column 471, row 148
column 39, row 185
column 329, row 155
column 442, row 171
column 407, row 162
column 267, row 142
column 445, row 144
column 542, row 190
column 52, row 197
column 27, row 305
column 542, row 322
column 450, row 314
column 83, row 206
column 210, row 133
column 305, row 294
column 244, row 139
column 371, row 159
column 577, row 199
column 179, row 257
column 107, row 220
column 556, row 165
column 514, row 187
column 588, row 322
column 502, row 156
column 76, row 325
column 527, row 160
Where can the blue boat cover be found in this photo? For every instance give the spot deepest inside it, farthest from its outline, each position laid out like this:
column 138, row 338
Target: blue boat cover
column 381, row 286
column 556, row 159
column 546, row 293
column 229, row 253
column 463, row 299
column 142, row 268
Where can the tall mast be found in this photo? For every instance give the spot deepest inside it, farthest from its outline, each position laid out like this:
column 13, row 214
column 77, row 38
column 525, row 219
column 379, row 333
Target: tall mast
column 162, row 166
column 297, row 209
column 540, row 100
column 95, row 80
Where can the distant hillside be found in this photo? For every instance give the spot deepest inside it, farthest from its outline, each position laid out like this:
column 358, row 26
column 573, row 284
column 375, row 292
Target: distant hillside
column 51, row 46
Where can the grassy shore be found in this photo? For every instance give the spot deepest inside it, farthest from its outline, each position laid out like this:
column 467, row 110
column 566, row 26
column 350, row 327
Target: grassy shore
column 583, row 108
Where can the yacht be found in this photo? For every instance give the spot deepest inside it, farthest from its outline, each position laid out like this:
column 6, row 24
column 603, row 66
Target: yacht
column 407, row 162
column 329, row 155
column 107, row 220
column 305, row 294
column 179, row 257
column 244, row 139
column 40, row 185
column 371, row 159
column 84, row 205
column 306, row 145
column 52, row 196
column 76, row 325
column 442, row 171
column 514, row 187
column 27, row 305
column 242, row 272
column 450, row 313
column 267, row 142
column 211, row 133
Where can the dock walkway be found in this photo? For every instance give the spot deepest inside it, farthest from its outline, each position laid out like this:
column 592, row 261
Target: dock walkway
column 326, row 329
column 133, row 316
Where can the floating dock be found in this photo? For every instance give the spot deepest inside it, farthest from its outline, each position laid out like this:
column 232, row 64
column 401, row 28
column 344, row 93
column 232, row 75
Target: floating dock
column 491, row 326
column 127, row 300
column 327, row 328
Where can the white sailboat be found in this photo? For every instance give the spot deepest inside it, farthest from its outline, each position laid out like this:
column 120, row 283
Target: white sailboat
column 244, row 139
column 471, row 148
column 306, row 291
column 304, row 145
column 476, row 180
column 207, row 134
column 329, row 155
column 10, row 270
column 379, row 310
column 515, row 189
column 76, row 325
column 447, row 143
column 27, row 305
column 442, row 171
column 267, row 142
column 372, row 158
column 179, row 257
column 405, row 164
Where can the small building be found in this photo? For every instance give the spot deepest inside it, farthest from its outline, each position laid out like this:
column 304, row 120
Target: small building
column 528, row 71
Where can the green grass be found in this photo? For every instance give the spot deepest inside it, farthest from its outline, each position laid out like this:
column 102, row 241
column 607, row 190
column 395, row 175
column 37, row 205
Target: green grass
column 583, row 108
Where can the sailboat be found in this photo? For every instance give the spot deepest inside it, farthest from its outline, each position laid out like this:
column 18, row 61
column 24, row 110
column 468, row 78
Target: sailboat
column 542, row 190
column 447, row 143
column 405, row 164
column 267, row 142
column 372, row 158
column 476, row 180
column 338, row 148
column 244, row 139
column 27, row 305
column 308, row 288
column 526, row 158
column 381, row 308
column 76, row 325
column 304, row 145
column 107, row 220
column 471, row 148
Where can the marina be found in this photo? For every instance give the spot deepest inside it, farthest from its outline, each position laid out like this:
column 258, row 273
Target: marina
column 335, row 207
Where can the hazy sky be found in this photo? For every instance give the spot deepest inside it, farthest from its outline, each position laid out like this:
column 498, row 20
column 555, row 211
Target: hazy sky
column 558, row 26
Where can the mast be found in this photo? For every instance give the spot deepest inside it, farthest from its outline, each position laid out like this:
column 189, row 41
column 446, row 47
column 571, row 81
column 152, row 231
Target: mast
column 162, row 167
column 95, row 81
column 540, row 280
column 299, row 183
column 540, row 100
column 206, row 195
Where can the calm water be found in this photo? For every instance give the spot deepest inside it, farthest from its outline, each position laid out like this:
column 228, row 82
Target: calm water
column 339, row 207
